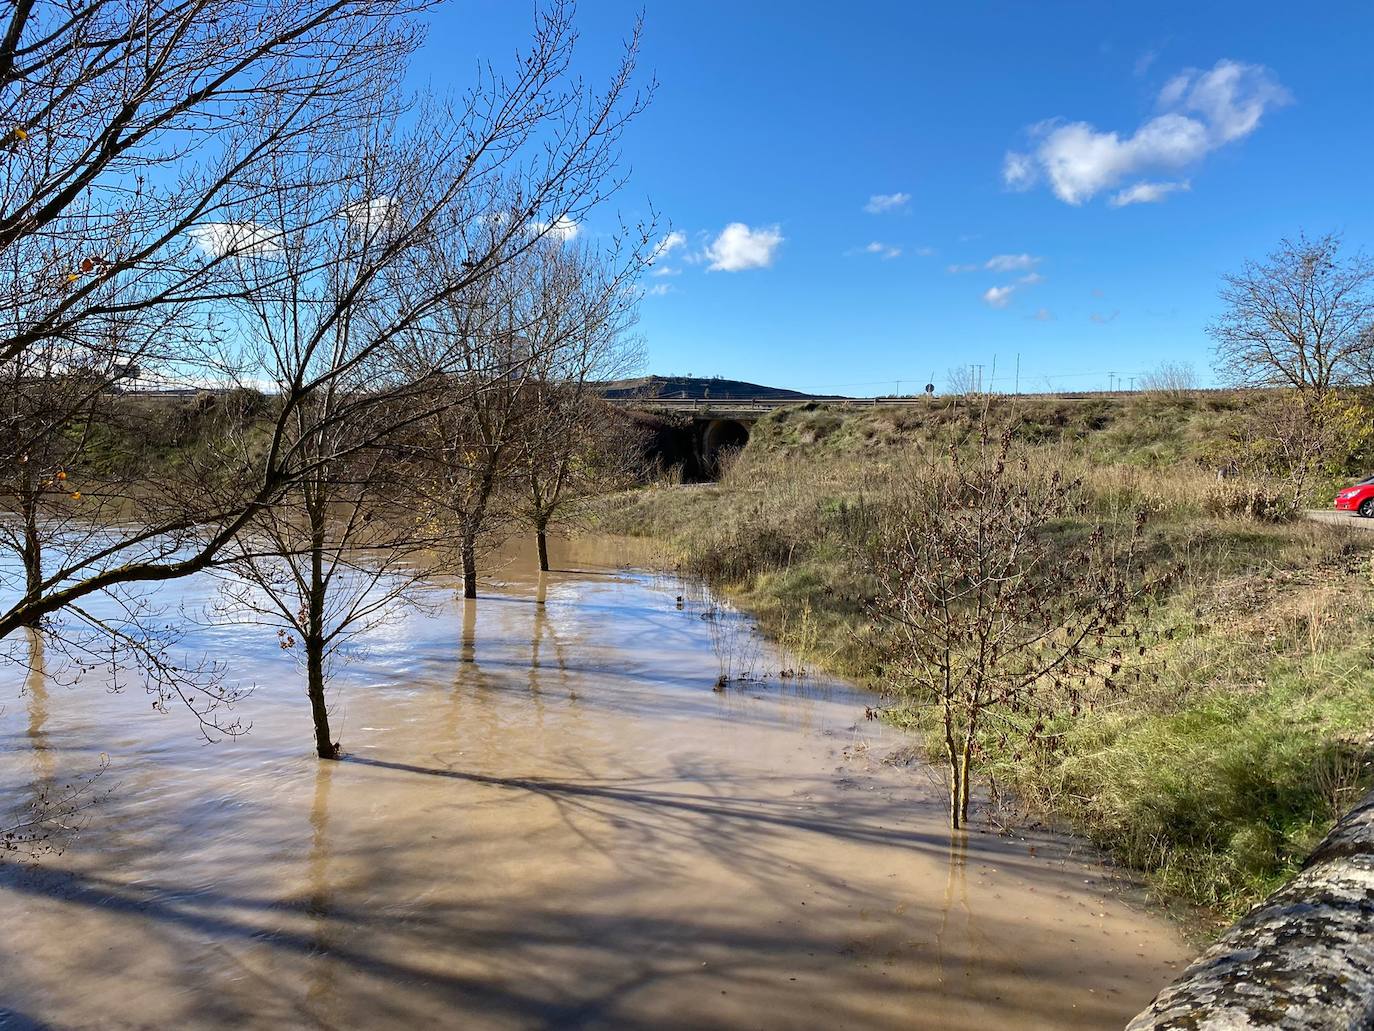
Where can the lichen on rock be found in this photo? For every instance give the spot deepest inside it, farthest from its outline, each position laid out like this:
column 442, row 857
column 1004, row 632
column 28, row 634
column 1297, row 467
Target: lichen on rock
column 1302, row 959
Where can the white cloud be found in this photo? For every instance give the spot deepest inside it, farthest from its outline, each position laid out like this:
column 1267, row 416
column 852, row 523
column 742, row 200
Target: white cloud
column 1101, row 319
column 886, row 250
column 369, row 216
column 880, row 202
column 1201, row 111
column 925, row 252
column 739, row 247
column 562, row 228
column 1010, row 262
column 665, row 270
column 667, row 245
column 1018, row 170
column 1146, row 193
column 659, row 289
column 219, row 239
column 1000, row 263
column 1080, row 161
column 1043, row 315
column 998, row 296
column 1231, row 98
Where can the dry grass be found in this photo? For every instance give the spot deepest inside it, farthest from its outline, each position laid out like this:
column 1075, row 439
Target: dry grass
column 1214, row 778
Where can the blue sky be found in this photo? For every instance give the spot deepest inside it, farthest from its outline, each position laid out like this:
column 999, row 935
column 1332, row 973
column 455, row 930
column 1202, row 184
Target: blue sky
column 1084, row 253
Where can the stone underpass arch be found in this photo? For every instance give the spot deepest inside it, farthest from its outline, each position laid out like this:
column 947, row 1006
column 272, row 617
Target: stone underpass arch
column 718, row 436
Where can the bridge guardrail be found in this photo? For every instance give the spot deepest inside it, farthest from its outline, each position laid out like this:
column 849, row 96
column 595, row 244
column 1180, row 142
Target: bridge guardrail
column 1303, row 958
column 766, row 404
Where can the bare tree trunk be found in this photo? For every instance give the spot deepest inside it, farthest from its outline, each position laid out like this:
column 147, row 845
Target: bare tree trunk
column 1299, row 484
column 472, row 523
column 314, row 655
column 32, row 556
column 314, row 639
column 965, row 762
column 469, row 566
column 541, row 540
column 956, row 808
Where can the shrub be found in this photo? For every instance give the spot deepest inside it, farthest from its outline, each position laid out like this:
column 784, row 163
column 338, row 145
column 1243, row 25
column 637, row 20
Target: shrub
column 1254, row 501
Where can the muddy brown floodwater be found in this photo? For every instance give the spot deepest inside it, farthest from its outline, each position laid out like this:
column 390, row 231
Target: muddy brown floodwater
column 546, row 818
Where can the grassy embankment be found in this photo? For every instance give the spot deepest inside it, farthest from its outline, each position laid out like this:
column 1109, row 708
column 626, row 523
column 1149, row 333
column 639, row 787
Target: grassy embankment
column 1217, row 778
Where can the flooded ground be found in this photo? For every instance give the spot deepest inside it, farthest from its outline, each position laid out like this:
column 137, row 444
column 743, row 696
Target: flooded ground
column 546, row 818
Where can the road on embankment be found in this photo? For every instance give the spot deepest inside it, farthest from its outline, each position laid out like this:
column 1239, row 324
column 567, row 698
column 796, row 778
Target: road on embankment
column 1334, row 518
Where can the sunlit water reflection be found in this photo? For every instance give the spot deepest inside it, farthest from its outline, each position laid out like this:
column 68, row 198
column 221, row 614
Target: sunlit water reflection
column 546, row 818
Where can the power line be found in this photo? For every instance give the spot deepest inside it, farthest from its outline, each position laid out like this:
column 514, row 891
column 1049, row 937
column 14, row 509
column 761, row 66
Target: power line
column 974, row 372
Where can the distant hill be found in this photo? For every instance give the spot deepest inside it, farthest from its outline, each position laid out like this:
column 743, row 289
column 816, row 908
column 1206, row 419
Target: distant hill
column 694, row 387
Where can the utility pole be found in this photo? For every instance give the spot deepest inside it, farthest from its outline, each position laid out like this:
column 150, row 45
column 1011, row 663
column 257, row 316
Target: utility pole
column 1132, row 384
column 980, row 379
column 1016, row 389
column 1110, row 376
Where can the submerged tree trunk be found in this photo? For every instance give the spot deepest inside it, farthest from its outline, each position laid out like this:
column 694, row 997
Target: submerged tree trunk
column 469, row 566
column 956, row 808
column 965, row 763
column 541, row 540
column 314, row 656
column 32, row 556
column 325, row 746
column 472, row 525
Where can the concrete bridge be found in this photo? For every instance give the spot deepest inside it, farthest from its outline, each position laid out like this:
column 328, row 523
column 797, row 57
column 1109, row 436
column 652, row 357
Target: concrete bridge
column 718, row 425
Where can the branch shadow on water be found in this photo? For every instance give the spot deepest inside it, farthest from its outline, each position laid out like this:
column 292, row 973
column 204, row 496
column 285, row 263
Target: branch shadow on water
column 342, row 959
column 616, row 955
column 703, row 806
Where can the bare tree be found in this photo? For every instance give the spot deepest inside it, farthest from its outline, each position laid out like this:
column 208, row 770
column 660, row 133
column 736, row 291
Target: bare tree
column 524, row 344
column 1301, row 318
column 573, row 445
column 466, row 446
column 333, row 561
column 134, row 128
column 132, row 125
column 984, row 617
column 1169, row 379
column 333, row 555
column 535, row 145
column 362, row 300
column 960, row 379
column 67, row 487
column 50, row 403
column 581, row 447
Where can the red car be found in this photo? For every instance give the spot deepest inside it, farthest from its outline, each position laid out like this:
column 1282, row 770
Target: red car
column 1359, row 498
